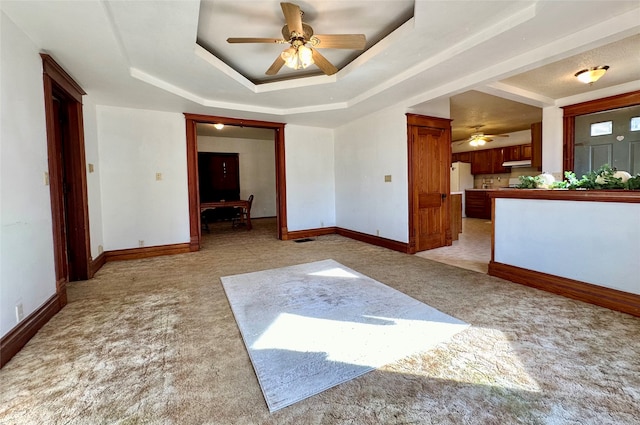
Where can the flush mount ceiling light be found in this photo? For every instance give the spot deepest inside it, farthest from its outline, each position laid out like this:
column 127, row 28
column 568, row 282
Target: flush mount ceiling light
column 591, row 75
column 218, row 126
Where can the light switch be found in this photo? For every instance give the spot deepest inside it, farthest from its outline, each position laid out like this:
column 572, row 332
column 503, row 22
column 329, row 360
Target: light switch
column 387, row 178
column 91, row 168
column 46, row 178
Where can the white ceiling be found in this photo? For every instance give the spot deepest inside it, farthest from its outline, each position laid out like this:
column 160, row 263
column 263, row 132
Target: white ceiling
column 144, row 54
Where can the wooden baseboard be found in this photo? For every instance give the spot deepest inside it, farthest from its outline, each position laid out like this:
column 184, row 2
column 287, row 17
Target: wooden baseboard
column 97, row 263
column 17, row 338
column 147, row 251
column 310, row 233
column 374, row 240
column 605, row 297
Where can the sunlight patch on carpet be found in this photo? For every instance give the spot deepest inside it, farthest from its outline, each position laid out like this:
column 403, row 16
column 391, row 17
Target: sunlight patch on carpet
column 313, row 326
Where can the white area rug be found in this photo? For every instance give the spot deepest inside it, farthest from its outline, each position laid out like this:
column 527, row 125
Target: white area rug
column 310, row 327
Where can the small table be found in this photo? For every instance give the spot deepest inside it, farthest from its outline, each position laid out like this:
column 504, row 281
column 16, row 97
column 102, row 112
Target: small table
column 244, row 204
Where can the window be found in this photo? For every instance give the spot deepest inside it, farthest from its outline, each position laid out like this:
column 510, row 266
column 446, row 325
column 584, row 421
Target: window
column 601, row 128
column 635, row 124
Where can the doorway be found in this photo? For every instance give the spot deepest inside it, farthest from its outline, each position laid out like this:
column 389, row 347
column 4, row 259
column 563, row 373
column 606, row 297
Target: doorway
column 192, row 120
column 429, row 152
column 67, row 178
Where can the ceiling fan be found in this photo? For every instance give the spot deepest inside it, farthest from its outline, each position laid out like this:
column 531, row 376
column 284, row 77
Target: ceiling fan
column 478, row 138
column 304, row 44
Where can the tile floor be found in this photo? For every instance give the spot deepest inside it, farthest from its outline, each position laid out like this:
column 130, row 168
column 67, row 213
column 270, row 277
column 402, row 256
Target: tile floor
column 471, row 251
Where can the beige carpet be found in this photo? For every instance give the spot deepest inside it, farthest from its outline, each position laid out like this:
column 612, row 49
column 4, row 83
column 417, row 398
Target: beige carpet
column 154, row 342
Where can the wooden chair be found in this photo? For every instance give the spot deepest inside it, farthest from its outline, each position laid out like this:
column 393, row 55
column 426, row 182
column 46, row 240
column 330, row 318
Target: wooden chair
column 241, row 218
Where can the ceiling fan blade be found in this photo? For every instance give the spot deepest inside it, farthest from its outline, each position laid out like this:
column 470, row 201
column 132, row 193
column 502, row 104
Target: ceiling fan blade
column 275, row 66
column 255, row 40
column 293, row 16
column 496, row 135
column 322, row 63
column 341, row 41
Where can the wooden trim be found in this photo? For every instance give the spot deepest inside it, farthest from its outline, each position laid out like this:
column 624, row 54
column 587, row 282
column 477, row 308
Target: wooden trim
column 18, row 337
column 426, row 121
column 605, row 297
column 374, row 240
column 621, row 196
column 146, row 252
column 592, row 106
column 61, row 77
column 604, row 104
column 192, row 171
column 310, row 233
column 97, row 263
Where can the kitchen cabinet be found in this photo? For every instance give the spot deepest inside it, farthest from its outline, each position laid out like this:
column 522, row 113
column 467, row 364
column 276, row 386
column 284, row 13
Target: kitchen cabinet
column 461, row 157
column 512, row 153
column 489, row 161
column 482, row 162
column 477, row 204
column 536, row 145
column 497, row 157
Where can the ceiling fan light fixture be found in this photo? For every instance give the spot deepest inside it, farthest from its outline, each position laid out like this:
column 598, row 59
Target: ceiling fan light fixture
column 298, row 57
column 591, row 75
column 218, row 126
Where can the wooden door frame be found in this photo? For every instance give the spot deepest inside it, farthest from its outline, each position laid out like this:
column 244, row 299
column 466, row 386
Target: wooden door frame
column 58, row 82
column 195, row 230
column 414, row 120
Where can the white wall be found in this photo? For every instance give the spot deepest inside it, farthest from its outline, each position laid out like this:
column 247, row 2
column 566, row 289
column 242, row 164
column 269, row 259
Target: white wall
column 552, row 136
column 309, row 159
column 134, row 145
column 257, row 169
column 27, row 273
column 93, row 178
column 366, row 150
column 593, row 242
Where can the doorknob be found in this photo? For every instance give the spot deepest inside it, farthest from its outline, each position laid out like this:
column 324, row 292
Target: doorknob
column 443, row 196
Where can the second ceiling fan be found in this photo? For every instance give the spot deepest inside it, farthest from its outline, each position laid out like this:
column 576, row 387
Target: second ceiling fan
column 304, row 44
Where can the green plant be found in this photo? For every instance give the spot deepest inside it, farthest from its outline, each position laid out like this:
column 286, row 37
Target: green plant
column 633, row 183
column 602, row 178
column 529, row 182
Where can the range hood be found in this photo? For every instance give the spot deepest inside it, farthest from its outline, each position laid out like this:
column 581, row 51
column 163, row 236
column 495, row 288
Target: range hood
column 516, row 164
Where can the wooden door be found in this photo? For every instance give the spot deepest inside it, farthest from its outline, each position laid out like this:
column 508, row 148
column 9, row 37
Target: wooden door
column 429, row 179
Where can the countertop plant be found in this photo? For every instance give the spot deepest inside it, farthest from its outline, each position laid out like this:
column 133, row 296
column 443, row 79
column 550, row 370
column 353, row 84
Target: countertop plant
column 604, row 178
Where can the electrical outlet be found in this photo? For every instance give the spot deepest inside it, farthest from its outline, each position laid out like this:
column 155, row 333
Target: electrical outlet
column 377, row 232
column 91, row 168
column 100, row 249
column 46, row 178
column 158, row 176
column 19, row 312
column 141, row 243
column 322, row 224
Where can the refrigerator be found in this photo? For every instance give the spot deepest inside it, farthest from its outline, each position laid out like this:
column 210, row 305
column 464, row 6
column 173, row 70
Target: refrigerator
column 461, row 179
